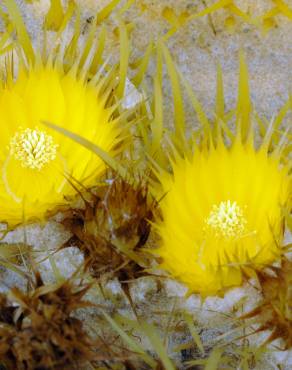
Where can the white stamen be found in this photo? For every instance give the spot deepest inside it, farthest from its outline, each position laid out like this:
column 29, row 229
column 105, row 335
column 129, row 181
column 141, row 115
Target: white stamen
column 226, row 220
column 33, row 148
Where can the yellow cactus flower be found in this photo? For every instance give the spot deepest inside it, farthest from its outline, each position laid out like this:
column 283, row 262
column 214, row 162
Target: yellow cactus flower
column 36, row 162
column 39, row 164
column 222, row 210
column 224, row 205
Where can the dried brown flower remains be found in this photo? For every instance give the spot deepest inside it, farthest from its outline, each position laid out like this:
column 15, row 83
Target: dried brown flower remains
column 37, row 330
column 275, row 310
column 112, row 228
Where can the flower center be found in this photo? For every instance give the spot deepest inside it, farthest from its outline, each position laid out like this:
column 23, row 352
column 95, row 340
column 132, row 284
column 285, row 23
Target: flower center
column 33, row 148
column 226, row 220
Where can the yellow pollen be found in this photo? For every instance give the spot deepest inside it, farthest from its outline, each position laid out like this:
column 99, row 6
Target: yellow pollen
column 33, row 148
column 226, row 220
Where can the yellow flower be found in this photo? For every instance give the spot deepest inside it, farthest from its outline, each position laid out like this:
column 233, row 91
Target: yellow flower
column 67, row 89
column 222, row 210
column 224, row 205
column 36, row 161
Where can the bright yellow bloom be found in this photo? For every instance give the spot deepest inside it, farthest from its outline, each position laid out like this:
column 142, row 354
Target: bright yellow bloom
column 225, row 202
column 64, row 86
column 222, row 212
column 37, row 161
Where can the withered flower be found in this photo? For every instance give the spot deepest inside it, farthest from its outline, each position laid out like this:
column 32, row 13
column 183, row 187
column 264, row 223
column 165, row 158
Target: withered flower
column 38, row 331
column 275, row 311
column 112, row 228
